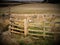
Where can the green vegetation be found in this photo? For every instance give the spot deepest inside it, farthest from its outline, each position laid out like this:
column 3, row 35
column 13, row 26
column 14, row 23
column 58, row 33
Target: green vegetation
column 49, row 33
column 36, row 28
column 25, row 43
column 47, row 28
column 36, row 32
column 30, row 41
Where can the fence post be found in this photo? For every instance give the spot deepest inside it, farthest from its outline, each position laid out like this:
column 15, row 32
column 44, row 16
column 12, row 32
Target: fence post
column 44, row 27
column 25, row 27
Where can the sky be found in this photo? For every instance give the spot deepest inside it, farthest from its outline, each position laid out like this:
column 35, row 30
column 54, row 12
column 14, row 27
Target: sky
column 50, row 1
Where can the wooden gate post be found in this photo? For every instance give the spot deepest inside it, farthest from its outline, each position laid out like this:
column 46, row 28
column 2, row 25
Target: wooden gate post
column 44, row 27
column 25, row 27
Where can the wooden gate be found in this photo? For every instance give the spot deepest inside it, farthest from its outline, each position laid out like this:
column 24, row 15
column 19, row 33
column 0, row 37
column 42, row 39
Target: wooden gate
column 32, row 24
